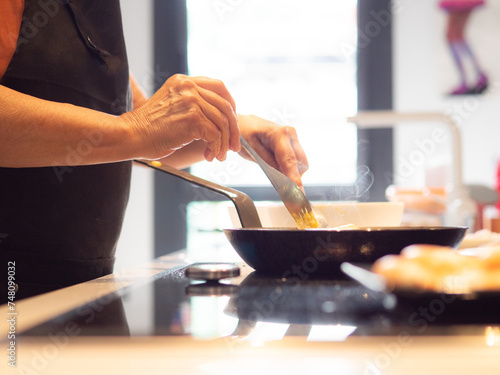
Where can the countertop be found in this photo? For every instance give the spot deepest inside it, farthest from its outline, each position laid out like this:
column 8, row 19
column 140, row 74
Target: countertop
column 151, row 319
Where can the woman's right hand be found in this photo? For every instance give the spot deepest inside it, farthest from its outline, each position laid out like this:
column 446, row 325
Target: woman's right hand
column 183, row 110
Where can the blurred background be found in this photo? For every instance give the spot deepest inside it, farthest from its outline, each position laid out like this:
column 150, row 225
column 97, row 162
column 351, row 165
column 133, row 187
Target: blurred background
column 309, row 65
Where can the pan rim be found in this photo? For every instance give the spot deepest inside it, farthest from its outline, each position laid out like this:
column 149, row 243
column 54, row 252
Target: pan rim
column 359, row 229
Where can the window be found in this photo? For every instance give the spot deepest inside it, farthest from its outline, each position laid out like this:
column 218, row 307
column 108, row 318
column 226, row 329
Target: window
column 291, row 62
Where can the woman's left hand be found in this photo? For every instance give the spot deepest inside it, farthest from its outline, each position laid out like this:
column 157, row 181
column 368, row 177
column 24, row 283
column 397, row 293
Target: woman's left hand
column 278, row 145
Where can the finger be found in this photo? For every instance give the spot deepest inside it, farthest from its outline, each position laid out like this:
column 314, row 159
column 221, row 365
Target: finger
column 300, row 154
column 281, row 156
column 212, row 138
column 287, row 160
column 216, row 129
column 263, row 151
column 216, row 90
column 211, row 125
column 217, row 87
column 209, row 154
column 221, row 113
column 211, row 135
column 289, row 154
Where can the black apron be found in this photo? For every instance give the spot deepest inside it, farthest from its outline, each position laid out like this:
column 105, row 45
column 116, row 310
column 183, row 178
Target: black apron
column 60, row 224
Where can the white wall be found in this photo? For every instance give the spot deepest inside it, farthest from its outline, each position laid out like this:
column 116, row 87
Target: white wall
column 136, row 242
column 136, row 245
column 424, row 72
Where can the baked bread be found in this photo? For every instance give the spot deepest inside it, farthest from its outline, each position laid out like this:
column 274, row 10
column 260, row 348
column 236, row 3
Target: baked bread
column 441, row 269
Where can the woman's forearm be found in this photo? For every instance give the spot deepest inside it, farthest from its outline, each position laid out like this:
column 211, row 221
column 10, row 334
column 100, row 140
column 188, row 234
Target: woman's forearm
column 186, row 156
column 40, row 133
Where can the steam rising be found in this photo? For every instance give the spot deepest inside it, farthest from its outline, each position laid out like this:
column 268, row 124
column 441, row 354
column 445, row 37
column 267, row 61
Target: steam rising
column 359, row 191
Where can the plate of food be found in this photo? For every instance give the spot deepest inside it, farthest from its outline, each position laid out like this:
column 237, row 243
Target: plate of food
column 438, row 283
column 480, row 238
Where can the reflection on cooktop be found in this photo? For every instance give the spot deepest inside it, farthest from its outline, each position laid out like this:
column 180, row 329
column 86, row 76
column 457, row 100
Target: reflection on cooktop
column 319, row 309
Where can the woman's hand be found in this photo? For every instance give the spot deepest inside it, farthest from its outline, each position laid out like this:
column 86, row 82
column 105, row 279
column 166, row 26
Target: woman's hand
column 183, row 110
column 277, row 145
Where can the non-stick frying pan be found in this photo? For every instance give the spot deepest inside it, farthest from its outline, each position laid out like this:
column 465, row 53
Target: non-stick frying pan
column 304, row 253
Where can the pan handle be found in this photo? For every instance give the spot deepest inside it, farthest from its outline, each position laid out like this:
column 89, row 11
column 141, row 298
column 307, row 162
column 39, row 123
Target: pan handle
column 245, row 207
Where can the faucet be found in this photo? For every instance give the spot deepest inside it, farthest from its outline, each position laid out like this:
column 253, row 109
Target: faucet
column 461, row 210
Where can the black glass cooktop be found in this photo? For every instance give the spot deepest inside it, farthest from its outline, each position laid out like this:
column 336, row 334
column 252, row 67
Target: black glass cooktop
column 173, row 305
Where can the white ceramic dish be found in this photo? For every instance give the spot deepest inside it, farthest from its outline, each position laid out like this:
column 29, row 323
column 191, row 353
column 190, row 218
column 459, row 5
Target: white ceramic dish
column 360, row 214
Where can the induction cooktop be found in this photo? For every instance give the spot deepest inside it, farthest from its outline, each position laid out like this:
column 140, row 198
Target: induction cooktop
column 242, row 305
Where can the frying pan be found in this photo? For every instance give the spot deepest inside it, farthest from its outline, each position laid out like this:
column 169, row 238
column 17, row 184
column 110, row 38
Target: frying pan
column 305, row 253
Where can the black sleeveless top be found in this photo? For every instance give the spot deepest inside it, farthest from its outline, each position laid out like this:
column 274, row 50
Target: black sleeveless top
column 60, row 224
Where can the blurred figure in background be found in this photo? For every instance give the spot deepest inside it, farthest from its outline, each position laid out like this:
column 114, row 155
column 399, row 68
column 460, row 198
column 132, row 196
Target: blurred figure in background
column 459, row 12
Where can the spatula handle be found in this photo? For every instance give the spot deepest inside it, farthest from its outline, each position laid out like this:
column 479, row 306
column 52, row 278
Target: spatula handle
column 245, row 207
